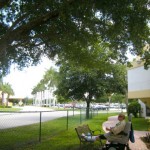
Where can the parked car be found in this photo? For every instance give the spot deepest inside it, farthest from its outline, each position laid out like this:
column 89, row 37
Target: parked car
column 100, row 107
column 123, row 106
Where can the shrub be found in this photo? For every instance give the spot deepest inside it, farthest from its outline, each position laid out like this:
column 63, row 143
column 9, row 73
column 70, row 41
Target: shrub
column 2, row 106
column 134, row 108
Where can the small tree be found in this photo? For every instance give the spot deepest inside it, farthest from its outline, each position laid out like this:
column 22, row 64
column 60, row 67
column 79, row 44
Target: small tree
column 89, row 84
column 134, row 108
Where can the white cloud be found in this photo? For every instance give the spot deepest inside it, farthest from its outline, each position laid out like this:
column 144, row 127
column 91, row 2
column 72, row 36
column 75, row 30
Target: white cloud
column 23, row 82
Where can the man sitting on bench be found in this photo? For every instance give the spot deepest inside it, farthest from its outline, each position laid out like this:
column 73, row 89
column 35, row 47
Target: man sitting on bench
column 115, row 133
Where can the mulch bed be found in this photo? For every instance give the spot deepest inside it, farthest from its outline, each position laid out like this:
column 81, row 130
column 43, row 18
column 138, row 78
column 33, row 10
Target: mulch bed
column 146, row 140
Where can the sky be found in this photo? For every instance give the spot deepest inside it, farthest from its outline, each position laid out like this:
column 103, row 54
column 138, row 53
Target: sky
column 22, row 82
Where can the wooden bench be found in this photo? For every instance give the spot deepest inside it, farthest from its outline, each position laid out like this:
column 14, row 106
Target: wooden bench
column 84, row 129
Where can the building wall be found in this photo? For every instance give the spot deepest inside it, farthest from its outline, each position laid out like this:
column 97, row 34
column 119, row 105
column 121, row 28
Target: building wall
column 143, row 108
column 45, row 98
column 139, row 83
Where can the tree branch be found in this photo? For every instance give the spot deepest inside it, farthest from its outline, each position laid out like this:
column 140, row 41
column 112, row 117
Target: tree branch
column 16, row 34
column 4, row 3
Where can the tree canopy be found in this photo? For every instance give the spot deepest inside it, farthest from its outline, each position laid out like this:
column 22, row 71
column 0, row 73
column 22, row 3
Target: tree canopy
column 75, row 82
column 78, row 83
column 48, row 81
column 30, row 29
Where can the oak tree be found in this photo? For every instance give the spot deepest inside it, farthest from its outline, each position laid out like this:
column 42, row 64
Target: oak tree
column 30, row 29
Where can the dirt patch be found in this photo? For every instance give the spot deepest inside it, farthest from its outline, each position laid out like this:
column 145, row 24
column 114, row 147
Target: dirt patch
column 146, row 141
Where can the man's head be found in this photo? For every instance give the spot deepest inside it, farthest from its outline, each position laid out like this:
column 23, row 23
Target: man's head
column 121, row 117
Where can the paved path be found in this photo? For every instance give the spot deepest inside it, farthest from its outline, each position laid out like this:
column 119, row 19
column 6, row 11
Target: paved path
column 34, row 108
column 138, row 145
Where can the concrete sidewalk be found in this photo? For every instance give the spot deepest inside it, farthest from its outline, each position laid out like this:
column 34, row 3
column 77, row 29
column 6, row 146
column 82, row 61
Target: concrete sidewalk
column 33, row 108
column 138, row 145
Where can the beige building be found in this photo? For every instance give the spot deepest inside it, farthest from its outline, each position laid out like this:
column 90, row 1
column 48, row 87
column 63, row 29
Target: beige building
column 11, row 99
column 139, row 84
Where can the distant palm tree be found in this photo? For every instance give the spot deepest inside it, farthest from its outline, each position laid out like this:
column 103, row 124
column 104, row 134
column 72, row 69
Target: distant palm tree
column 5, row 88
column 1, row 84
column 48, row 82
column 9, row 91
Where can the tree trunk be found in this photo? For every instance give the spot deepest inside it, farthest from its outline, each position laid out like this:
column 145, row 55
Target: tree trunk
column 88, row 109
column 2, row 98
column 7, row 100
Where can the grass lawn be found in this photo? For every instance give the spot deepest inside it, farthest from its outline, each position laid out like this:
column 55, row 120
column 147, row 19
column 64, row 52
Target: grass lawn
column 9, row 109
column 54, row 134
column 61, row 139
column 140, row 124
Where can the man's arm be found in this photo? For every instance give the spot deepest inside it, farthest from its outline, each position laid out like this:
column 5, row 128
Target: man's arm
column 109, row 129
column 118, row 128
